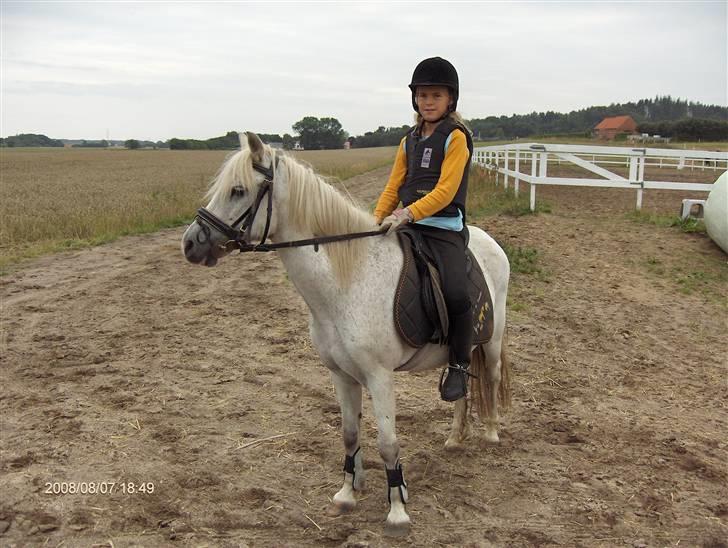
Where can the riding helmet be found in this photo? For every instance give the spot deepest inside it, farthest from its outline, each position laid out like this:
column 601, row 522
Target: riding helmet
column 436, row 71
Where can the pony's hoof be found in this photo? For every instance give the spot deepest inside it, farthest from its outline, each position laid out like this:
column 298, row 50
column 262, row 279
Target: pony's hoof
column 492, row 437
column 340, row 508
column 453, row 445
column 401, row 529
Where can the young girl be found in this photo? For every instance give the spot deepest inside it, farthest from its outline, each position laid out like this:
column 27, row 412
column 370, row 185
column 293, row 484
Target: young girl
column 430, row 178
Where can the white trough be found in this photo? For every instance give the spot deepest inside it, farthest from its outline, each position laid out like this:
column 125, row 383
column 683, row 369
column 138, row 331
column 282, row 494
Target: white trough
column 715, row 212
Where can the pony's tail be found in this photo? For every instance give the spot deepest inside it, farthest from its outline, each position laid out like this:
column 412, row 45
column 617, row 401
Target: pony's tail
column 481, row 387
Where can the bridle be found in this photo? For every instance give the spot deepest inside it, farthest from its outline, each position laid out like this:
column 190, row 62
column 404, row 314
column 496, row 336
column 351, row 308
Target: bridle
column 238, row 236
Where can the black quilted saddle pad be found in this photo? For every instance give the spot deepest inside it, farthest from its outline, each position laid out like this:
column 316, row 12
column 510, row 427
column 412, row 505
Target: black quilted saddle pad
column 410, row 318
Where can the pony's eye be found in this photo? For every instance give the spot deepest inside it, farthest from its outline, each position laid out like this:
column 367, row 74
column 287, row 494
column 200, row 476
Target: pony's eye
column 237, row 191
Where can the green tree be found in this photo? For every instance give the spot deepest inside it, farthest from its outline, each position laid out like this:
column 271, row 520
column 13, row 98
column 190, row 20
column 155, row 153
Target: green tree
column 268, row 138
column 131, row 144
column 288, row 141
column 324, row 133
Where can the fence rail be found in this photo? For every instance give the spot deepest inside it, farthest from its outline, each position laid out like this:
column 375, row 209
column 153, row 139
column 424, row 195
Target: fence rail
column 591, row 158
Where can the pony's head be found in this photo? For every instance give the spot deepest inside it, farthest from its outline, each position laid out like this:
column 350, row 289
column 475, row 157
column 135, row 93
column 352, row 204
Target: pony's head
column 300, row 202
column 236, row 190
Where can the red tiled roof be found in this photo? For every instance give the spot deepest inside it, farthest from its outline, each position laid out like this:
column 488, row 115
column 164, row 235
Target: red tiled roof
column 615, row 122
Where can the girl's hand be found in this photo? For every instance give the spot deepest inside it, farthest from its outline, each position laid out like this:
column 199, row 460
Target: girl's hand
column 398, row 218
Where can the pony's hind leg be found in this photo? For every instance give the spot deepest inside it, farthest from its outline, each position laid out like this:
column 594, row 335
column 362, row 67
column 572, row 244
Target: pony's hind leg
column 497, row 385
column 460, row 426
column 349, row 394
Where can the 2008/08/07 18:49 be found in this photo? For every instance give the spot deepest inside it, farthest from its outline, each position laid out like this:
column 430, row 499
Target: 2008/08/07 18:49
column 98, row 487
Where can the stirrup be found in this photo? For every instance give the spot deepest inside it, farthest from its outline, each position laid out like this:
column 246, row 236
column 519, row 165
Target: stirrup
column 459, row 369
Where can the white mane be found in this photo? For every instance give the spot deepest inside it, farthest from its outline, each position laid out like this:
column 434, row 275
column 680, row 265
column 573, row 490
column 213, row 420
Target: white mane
column 315, row 206
column 236, row 171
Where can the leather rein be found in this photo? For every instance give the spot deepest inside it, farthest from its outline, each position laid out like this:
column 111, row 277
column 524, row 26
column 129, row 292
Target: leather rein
column 237, row 236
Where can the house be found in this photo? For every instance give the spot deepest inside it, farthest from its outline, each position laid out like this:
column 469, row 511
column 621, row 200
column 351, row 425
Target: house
column 610, row 127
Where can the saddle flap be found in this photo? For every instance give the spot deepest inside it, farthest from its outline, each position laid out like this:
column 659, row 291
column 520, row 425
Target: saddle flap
column 420, row 313
column 410, row 318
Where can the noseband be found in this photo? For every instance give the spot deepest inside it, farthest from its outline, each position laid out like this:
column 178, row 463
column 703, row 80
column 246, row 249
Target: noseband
column 237, row 237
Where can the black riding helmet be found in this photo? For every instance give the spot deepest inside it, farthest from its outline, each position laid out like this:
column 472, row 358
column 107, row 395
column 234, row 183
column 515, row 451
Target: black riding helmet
column 436, row 71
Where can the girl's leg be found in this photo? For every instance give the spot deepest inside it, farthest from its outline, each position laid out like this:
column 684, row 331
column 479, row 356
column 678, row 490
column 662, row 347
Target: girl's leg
column 449, row 250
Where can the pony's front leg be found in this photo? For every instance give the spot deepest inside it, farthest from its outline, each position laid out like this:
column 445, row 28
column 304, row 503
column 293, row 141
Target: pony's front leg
column 381, row 389
column 348, row 392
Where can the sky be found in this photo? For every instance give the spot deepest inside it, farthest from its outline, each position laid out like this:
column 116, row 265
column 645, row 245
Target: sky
column 156, row 70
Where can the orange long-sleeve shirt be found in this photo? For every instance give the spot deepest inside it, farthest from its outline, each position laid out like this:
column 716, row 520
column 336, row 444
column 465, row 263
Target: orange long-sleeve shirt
column 453, row 165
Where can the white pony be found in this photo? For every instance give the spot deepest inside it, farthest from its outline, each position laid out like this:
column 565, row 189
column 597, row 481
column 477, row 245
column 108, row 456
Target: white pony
column 349, row 288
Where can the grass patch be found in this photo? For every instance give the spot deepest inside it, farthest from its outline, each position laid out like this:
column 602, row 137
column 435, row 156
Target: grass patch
column 705, row 276
column 688, row 225
column 344, row 164
column 485, row 197
column 60, row 199
column 523, row 260
column 516, row 306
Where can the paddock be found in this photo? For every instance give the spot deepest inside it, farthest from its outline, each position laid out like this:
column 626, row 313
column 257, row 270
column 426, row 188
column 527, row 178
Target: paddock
column 122, row 364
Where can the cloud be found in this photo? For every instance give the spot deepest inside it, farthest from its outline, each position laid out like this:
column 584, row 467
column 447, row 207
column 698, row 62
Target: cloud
column 210, row 66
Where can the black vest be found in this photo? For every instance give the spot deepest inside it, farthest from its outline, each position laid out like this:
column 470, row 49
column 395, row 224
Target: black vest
column 424, row 164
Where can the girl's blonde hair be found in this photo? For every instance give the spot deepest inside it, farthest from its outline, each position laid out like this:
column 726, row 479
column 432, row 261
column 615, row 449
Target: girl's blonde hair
column 454, row 116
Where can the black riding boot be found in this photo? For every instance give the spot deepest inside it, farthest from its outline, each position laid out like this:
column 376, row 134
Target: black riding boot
column 455, row 385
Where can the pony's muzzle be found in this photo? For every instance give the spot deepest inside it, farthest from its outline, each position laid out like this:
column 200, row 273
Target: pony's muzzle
column 229, row 246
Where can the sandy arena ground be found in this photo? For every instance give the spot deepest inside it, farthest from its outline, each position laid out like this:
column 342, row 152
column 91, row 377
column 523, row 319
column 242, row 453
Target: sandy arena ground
column 123, row 363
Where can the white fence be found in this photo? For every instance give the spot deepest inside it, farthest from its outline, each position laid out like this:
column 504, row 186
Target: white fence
column 501, row 158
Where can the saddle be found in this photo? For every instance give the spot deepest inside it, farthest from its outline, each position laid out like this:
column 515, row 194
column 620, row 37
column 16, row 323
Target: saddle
column 420, row 312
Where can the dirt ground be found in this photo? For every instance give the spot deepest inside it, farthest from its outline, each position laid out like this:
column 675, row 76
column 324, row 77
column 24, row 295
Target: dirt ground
column 123, row 363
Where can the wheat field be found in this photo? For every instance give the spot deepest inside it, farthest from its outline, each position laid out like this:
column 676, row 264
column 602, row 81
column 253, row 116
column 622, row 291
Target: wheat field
column 52, row 199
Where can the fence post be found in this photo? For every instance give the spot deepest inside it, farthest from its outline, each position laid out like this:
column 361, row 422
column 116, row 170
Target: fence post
column 542, row 167
column 497, row 166
column 641, row 179
column 505, row 166
column 633, row 176
column 533, row 185
column 517, row 169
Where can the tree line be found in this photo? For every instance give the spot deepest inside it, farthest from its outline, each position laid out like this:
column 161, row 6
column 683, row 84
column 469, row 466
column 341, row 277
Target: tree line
column 312, row 134
column 663, row 115
column 30, row 140
column 690, row 129
column 581, row 122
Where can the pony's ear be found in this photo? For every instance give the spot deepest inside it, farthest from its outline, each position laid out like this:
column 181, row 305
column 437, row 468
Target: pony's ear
column 256, row 146
column 243, row 140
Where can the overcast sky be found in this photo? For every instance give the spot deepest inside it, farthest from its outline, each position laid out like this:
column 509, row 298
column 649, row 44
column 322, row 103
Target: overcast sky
column 198, row 69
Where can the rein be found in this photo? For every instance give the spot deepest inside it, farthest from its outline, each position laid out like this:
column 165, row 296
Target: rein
column 237, row 237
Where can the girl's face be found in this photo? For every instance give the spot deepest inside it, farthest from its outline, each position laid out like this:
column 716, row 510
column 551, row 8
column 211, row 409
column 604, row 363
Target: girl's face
column 433, row 102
